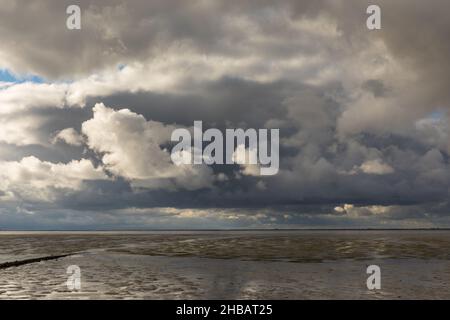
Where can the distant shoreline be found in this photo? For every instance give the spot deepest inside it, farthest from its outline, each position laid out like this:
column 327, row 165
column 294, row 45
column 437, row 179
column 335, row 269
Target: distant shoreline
column 230, row 230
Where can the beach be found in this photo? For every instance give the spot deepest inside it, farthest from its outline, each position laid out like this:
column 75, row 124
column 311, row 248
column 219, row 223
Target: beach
column 415, row 264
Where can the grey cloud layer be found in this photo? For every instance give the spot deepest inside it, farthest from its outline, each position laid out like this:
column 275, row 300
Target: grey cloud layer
column 363, row 116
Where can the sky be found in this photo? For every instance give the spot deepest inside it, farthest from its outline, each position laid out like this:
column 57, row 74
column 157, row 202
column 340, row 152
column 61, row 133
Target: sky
column 86, row 115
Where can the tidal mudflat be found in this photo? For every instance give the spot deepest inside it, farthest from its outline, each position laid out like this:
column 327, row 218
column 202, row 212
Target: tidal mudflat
column 225, row 264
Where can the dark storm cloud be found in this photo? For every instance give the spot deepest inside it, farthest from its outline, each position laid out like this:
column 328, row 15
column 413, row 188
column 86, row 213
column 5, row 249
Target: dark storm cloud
column 362, row 114
column 376, row 87
column 227, row 100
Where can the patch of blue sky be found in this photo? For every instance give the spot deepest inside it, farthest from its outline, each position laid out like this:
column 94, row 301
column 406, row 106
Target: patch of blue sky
column 7, row 76
column 436, row 115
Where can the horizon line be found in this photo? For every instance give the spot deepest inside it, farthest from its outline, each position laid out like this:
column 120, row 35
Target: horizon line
column 218, row 229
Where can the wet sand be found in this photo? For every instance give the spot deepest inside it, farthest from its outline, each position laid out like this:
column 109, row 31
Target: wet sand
column 228, row 265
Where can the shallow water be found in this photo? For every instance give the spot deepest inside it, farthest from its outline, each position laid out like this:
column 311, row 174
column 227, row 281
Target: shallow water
column 228, row 265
